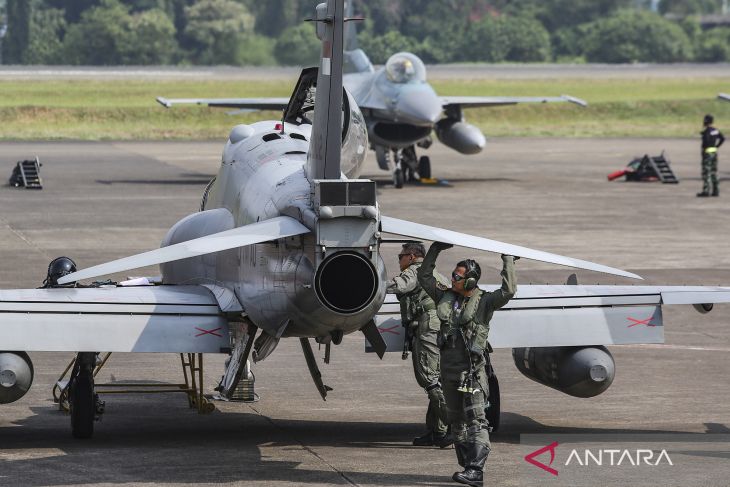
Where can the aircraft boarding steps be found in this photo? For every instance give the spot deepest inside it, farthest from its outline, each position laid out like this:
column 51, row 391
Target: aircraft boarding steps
column 192, row 366
column 27, row 174
column 661, row 167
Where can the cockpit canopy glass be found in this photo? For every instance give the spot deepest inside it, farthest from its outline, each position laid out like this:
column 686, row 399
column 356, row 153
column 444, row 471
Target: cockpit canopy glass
column 405, row 67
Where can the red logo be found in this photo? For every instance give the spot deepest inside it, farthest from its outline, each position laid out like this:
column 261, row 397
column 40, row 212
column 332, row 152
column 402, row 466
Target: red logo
column 551, row 448
column 389, row 330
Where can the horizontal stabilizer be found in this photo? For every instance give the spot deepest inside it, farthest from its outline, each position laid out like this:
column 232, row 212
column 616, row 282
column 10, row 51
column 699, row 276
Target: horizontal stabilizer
column 242, row 103
column 425, row 232
column 273, row 229
column 723, row 96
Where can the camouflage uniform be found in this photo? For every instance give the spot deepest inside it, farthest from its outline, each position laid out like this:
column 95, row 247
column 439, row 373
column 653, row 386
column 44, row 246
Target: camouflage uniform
column 463, row 340
column 418, row 312
column 711, row 140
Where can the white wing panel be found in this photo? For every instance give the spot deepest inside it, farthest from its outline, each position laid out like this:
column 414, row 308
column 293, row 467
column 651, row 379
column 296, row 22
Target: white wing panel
column 114, row 319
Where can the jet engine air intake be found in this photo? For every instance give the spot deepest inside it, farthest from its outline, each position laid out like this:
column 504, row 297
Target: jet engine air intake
column 16, row 376
column 346, row 282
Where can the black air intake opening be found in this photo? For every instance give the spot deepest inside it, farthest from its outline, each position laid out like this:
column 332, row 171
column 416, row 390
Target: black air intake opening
column 346, row 282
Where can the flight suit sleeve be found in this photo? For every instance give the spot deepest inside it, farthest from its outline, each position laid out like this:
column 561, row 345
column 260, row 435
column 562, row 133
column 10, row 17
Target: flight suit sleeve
column 721, row 138
column 501, row 296
column 404, row 282
column 426, row 279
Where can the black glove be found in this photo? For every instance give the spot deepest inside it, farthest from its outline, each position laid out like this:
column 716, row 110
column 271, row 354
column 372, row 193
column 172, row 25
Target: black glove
column 441, row 246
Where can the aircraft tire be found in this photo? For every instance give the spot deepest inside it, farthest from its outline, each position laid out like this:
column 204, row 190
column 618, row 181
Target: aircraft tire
column 82, row 405
column 398, row 178
column 494, row 409
column 424, row 167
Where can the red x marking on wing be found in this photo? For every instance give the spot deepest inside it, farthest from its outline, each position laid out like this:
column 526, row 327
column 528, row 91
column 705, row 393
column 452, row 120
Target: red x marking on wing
column 207, row 332
column 640, row 322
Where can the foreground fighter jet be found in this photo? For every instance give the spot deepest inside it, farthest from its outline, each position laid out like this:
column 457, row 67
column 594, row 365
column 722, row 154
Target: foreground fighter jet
column 287, row 244
column 401, row 110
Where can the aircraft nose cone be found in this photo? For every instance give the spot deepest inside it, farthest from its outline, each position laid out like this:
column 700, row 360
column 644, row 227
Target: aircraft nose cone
column 419, row 107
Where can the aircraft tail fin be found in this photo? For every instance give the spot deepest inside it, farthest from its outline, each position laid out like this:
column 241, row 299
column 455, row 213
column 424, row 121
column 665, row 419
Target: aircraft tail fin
column 323, row 160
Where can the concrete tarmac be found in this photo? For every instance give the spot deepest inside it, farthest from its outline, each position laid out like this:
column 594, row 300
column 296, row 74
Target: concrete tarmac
column 106, row 200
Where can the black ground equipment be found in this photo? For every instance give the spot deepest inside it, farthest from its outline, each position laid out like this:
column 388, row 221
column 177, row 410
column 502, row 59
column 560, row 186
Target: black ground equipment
column 647, row 169
column 27, row 174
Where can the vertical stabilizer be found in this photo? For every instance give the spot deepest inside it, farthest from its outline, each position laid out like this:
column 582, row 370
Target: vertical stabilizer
column 323, row 160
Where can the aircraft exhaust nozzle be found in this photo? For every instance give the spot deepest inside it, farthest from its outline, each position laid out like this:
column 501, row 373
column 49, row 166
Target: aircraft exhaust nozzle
column 346, row 282
column 16, row 376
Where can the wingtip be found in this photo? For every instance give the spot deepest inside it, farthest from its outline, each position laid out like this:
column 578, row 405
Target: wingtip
column 164, row 102
column 577, row 101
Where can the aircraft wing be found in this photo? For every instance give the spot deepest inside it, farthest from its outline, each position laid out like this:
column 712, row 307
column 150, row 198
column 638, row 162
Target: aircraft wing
column 242, row 103
column 556, row 316
column 425, row 232
column 724, row 96
column 113, row 319
column 493, row 101
column 264, row 231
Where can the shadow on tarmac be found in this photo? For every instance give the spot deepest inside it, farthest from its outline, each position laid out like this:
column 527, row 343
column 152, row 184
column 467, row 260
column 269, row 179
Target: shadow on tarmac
column 140, row 443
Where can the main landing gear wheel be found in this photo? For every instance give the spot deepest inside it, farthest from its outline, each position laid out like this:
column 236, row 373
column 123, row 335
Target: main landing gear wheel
column 83, row 401
column 424, row 167
column 398, row 178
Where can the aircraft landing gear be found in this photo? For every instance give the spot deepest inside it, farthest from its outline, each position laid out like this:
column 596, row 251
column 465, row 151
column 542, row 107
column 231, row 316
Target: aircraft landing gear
column 424, row 167
column 85, row 406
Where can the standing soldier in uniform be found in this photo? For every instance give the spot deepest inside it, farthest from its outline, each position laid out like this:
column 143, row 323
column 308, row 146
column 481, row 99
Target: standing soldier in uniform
column 711, row 140
column 418, row 315
column 465, row 312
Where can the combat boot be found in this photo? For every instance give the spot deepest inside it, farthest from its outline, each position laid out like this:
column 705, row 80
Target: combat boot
column 475, row 456
column 443, row 441
column 703, row 194
column 716, row 192
column 424, row 440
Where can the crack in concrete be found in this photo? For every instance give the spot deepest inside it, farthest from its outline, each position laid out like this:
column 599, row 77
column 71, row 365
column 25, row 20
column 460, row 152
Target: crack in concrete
column 22, row 237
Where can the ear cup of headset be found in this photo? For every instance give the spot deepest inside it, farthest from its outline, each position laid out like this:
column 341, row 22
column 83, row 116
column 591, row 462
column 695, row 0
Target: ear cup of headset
column 470, row 284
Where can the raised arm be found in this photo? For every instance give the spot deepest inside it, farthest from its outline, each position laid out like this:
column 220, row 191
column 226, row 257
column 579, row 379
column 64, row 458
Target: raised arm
column 501, row 296
column 425, row 273
column 404, row 282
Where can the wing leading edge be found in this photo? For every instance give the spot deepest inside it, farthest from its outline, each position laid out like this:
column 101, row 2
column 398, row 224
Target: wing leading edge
column 493, row 101
column 242, row 103
column 425, row 232
column 272, row 229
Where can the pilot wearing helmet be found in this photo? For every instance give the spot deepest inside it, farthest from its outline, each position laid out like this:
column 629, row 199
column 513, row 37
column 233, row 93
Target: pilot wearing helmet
column 59, row 267
column 464, row 311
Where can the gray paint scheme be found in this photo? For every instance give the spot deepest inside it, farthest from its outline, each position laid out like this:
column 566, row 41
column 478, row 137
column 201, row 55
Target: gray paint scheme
column 400, row 108
column 293, row 255
column 723, row 96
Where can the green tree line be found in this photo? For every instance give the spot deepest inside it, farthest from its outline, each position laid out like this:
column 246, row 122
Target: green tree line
column 255, row 32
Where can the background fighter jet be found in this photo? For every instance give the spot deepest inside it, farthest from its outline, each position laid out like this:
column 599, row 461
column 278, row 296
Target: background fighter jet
column 401, row 110
column 723, row 96
column 287, row 244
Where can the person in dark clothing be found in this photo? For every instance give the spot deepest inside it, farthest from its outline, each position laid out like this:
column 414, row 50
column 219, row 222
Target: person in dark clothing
column 712, row 139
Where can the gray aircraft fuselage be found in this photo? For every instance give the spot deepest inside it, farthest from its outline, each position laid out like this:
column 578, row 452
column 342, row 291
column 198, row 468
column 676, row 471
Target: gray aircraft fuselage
column 262, row 176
